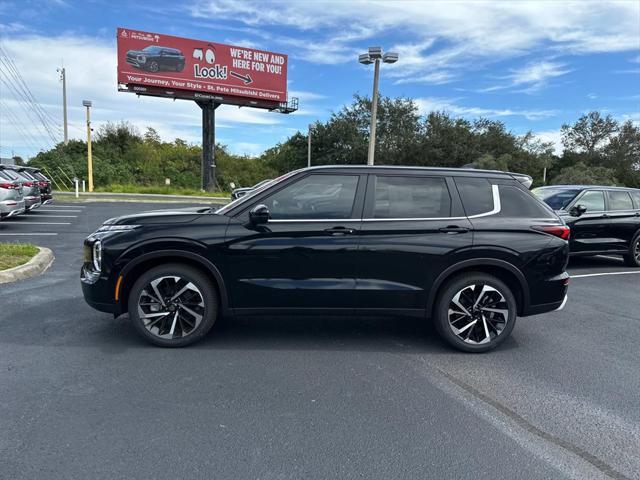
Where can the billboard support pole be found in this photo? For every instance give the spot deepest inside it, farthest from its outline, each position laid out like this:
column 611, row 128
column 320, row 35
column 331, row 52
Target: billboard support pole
column 209, row 182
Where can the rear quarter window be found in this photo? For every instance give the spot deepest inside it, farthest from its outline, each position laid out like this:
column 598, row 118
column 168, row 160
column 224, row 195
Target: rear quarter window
column 476, row 195
column 516, row 203
column 636, row 199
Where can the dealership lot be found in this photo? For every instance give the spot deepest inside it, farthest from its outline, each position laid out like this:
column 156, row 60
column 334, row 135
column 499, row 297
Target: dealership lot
column 81, row 394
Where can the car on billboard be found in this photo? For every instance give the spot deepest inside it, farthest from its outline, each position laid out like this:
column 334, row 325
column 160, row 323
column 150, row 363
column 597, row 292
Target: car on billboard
column 155, row 58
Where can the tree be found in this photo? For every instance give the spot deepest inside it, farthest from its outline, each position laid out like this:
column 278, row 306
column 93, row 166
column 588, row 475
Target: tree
column 582, row 174
column 589, row 134
column 623, row 154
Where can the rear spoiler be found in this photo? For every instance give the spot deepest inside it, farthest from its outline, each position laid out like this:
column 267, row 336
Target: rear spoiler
column 524, row 179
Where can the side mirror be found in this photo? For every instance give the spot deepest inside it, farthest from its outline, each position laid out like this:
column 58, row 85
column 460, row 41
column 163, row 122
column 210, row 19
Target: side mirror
column 259, row 215
column 578, row 210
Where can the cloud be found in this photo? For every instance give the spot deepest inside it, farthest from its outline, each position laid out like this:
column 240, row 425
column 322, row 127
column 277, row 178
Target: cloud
column 90, row 65
column 551, row 136
column 450, row 36
column 532, row 76
column 431, row 104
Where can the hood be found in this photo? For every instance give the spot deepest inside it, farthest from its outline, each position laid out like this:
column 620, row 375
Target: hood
column 177, row 215
column 136, row 52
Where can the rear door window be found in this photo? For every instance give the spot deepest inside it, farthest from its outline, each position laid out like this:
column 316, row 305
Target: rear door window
column 619, row 200
column 593, row 200
column 636, row 199
column 476, row 194
column 411, row 197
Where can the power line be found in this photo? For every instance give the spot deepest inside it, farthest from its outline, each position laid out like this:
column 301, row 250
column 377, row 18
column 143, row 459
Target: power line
column 14, row 81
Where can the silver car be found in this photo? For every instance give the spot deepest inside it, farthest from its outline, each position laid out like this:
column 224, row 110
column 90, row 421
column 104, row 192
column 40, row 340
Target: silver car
column 30, row 187
column 11, row 199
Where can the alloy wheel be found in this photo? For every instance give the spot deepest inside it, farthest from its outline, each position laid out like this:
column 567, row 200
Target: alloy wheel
column 478, row 314
column 171, row 307
column 636, row 251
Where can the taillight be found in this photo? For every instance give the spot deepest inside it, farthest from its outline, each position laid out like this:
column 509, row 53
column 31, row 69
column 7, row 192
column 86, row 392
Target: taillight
column 8, row 185
column 27, row 184
column 560, row 231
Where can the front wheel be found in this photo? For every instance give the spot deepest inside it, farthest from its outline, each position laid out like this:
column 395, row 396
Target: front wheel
column 475, row 312
column 173, row 305
column 632, row 259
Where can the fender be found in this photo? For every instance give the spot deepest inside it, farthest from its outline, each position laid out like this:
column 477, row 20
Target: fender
column 479, row 262
column 224, row 298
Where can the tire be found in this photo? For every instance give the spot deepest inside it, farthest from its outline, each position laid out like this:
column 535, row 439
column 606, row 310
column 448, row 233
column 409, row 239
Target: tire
column 180, row 67
column 178, row 321
column 632, row 259
column 153, row 66
column 471, row 290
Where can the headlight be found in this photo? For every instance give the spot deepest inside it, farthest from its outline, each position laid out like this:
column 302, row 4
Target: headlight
column 142, row 59
column 116, row 228
column 97, row 255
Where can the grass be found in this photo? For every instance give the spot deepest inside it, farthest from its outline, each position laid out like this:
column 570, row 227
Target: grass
column 159, row 189
column 14, row 254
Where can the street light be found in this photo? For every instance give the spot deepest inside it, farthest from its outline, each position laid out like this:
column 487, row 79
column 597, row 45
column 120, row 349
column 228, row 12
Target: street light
column 87, row 103
column 374, row 55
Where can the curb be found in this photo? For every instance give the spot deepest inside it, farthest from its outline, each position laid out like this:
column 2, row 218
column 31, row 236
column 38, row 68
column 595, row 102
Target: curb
column 98, row 195
column 37, row 265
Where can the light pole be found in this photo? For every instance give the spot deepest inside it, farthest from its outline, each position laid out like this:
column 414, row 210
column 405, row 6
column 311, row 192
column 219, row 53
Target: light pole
column 63, row 77
column 309, row 145
column 87, row 103
column 374, row 55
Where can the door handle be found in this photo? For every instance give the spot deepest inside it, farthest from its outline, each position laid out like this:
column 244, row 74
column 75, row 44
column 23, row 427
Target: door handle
column 453, row 229
column 339, row 231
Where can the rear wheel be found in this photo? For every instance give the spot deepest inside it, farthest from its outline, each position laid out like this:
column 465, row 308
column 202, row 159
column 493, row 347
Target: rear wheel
column 476, row 312
column 173, row 305
column 632, row 259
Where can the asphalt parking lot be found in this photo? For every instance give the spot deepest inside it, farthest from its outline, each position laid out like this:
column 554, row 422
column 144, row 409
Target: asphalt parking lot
column 272, row 398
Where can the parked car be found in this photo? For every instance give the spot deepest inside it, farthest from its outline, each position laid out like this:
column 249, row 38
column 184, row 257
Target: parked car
column 11, row 199
column 30, row 187
column 155, row 58
column 43, row 182
column 603, row 220
column 240, row 192
column 470, row 249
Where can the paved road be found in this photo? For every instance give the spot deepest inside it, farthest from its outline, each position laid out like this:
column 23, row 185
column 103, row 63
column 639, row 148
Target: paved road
column 275, row 398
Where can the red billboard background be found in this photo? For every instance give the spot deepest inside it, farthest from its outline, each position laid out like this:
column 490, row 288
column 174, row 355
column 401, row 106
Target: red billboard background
column 168, row 62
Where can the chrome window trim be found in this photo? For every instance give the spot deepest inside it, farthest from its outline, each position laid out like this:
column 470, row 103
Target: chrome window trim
column 325, row 220
column 497, row 207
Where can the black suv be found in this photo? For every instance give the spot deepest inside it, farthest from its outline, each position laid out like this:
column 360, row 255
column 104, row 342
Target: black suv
column 155, row 59
column 470, row 249
column 603, row 220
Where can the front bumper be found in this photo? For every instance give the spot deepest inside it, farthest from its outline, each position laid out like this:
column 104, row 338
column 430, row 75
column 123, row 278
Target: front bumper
column 97, row 291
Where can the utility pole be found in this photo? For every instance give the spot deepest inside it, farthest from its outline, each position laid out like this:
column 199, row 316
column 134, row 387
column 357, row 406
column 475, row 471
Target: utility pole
column 309, row 145
column 87, row 103
column 63, row 77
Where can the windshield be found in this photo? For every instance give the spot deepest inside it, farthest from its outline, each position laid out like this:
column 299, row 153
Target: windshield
column 262, row 186
column 556, row 198
column 151, row 49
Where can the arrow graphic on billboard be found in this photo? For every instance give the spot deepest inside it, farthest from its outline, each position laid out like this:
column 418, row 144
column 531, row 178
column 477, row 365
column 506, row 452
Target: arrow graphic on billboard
column 245, row 78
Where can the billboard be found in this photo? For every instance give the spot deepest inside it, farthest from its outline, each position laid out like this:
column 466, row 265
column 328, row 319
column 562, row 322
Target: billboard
column 151, row 63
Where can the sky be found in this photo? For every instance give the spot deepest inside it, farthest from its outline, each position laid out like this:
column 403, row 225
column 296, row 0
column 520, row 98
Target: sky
column 533, row 65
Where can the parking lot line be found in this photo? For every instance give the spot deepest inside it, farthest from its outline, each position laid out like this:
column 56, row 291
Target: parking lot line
column 35, row 233
column 64, row 206
column 65, row 211
column 34, row 223
column 605, row 273
column 33, row 215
